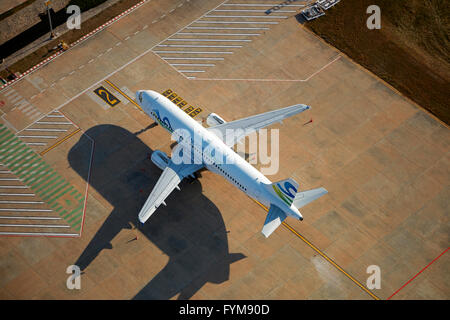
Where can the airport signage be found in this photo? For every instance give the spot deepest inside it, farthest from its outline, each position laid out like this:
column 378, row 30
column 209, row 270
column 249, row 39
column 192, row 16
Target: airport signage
column 107, row 96
column 181, row 103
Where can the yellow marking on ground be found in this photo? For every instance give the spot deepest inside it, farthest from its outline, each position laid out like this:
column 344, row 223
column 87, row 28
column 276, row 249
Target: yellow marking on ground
column 124, row 94
column 322, row 254
column 59, row 142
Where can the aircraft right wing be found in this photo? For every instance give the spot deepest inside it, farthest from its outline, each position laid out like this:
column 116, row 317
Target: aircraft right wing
column 232, row 132
column 167, row 182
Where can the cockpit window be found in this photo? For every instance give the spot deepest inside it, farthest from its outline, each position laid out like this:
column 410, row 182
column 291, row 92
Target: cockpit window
column 140, row 96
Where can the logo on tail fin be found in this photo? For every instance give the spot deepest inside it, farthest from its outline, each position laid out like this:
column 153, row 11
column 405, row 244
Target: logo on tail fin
column 287, row 194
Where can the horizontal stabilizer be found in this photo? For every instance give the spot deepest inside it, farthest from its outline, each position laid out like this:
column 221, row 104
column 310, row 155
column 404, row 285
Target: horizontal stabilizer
column 273, row 220
column 303, row 198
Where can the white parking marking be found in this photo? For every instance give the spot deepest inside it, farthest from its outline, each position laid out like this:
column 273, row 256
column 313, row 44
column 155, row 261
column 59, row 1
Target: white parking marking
column 250, row 10
column 212, row 40
column 189, row 71
column 239, row 22
column 196, row 52
column 13, row 187
column 22, row 202
column 26, row 209
column 41, row 137
column 29, row 218
column 44, row 122
column 253, row 17
column 227, row 28
column 52, row 130
column 190, row 58
column 196, row 46
column 216, row 34
column 193, row 64
column 33, row 225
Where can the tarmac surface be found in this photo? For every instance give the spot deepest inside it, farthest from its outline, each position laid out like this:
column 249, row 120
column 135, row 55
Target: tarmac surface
column 384, row 161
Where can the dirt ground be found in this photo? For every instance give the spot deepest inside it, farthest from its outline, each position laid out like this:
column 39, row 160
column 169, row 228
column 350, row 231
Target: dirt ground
column 411, row 51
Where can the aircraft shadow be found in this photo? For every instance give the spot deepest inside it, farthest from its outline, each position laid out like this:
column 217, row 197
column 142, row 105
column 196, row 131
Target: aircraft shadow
column 190, row 230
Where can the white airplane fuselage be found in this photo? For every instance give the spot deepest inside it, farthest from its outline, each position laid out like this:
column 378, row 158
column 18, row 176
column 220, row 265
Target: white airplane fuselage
column 235, row 169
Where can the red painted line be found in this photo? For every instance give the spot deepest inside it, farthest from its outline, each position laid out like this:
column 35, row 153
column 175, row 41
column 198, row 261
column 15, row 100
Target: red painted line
column 417, row 274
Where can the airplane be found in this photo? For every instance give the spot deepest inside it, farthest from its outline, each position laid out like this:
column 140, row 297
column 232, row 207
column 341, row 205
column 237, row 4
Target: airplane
column 282, row 197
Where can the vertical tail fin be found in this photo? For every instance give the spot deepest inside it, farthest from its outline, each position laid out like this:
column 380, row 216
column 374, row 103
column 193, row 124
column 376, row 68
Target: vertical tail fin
column 285, row 190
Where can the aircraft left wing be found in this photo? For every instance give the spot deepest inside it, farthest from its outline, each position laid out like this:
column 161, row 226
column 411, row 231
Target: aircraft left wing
column 169, row 180
column 232, row 132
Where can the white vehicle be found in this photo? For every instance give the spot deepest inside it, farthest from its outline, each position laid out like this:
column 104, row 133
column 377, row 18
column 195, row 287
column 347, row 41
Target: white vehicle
column 282, row 197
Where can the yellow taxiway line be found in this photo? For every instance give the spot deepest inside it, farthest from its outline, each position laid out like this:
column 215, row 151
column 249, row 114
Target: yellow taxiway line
column 59, row 142
column 323, row 255
column 124, row 94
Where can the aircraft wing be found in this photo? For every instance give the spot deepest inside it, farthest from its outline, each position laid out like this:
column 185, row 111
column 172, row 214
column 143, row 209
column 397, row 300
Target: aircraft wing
column 232, row 132
column 169, row 180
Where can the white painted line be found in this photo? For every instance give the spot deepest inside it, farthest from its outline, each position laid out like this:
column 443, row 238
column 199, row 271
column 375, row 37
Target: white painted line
column 212, row 40
column 43, row 122
column 136, row 32
column 53, row 130
column 238, row 22
column 216, row 34
column 108, row 50
column 118, row 44
column 71, row 72
column 13, row 187
column 33, row 225
column 253, row 10
column 29, row 218
column 39, row 234
column 261, row 5
column 18, row 194
column 144, row 27
column 5, row 171
column 190, row 58
column 25, row 209
column 189, row 71
column 9, row 179
column 36, row 143
column 90, row 61
column 193, row 64
column 62, row 78
column 196, row 52
column 81, row 67
column 256, row 17
column 22, row 202
column 191, row 78
column 41, row 137
column 55, row 116
column 227, row 28
column 195, row 46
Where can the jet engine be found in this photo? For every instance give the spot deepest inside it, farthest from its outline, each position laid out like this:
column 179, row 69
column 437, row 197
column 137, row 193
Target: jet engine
column 214, row 120
column 160, row 159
